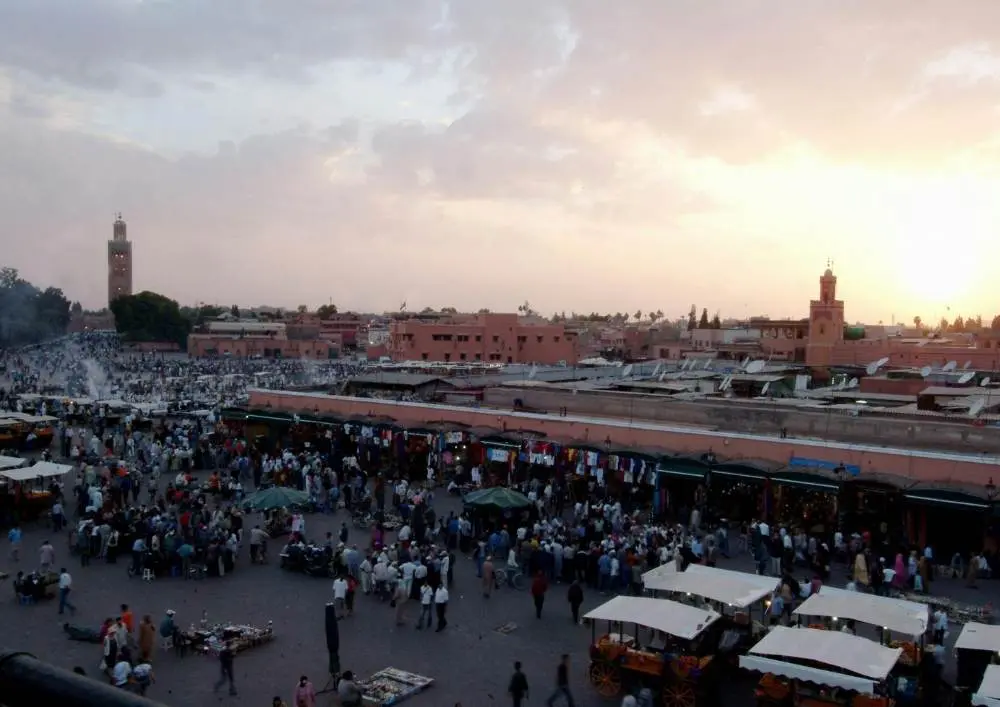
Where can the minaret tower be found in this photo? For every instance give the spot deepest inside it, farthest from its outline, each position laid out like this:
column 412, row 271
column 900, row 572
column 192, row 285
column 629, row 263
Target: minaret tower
column 826, row 321
column 119, row 262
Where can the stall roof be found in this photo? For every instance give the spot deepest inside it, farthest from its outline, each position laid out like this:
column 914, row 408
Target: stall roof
column 898, row 615
column 988, row 694
column 392, row 378
column 709, row 573
column 671, row 617
column 43, row 469
column 979, row 637
column 24, row 417
column 731, row 590
column 11, row 462
column 944, row 391
column 837, row 649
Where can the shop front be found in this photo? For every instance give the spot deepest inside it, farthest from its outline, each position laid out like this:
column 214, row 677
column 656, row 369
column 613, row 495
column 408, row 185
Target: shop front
column 805, row 499
column 681, row 483
column 635, row 470
column 949, row 519
column 739, row 490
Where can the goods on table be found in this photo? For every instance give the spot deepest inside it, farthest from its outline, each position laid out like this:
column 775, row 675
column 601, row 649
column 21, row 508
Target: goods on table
column 957, row 612
column 242, row 637
column 390, row 686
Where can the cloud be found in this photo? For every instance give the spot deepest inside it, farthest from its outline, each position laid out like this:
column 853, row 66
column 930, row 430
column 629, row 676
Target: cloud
column 622, row 143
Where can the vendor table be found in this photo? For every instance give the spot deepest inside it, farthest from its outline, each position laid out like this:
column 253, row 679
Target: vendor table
column 209, row 641
column 391, row 686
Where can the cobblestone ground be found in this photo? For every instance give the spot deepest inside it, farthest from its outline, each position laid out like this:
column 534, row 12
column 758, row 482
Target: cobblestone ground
column 470, row 661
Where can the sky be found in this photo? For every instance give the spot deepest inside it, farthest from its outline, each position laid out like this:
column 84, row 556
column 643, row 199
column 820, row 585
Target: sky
column 580, row 155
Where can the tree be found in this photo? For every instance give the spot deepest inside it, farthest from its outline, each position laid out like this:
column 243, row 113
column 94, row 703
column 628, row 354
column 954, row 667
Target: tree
column 716, row 322
column 29, row 315
column 526, row 310
column 638, row 315
column 995, row 324
column 693, row 318
column 484, row 310
column 943, row 325
column 449, row 310
column 325, row 311
column 235, row 311
column 703, row 321
column 149, row 316
column 958, row 324
column 917, row 322
column 302, row 309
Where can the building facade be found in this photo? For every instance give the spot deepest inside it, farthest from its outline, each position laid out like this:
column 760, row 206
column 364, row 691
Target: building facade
column 119, row 262
column 246, row 339
column 487, row 337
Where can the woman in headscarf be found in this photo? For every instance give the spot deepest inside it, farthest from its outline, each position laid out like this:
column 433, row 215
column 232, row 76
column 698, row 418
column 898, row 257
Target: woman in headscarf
column 861, row 578
column 899, row 578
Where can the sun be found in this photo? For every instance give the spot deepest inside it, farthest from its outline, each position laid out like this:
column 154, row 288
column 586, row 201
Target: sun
column 938, row 230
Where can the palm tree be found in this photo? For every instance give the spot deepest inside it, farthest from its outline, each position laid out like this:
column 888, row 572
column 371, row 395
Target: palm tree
column 638, row 315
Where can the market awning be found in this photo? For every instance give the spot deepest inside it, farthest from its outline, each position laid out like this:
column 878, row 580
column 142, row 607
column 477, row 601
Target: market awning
column 854, row 654
column 946, row 497
column 682, row 467
column 898, row 615
column 43, row 470
column 988, row 694
column 750, row 470
column 11, row 462
column 671, row 617
column 801, row 478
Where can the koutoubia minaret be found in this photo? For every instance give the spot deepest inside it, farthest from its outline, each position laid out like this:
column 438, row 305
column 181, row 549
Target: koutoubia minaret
column 119, row 262
column 826, row 321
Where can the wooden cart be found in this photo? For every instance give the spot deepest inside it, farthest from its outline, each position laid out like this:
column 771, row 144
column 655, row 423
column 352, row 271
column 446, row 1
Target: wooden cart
column 674, row 660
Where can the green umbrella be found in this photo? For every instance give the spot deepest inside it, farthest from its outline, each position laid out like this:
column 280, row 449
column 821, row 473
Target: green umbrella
column 498, row 497
column 275, row 497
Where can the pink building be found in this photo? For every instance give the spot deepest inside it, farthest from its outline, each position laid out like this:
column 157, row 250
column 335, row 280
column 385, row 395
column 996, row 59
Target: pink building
column 255, row 340
column 498, row 338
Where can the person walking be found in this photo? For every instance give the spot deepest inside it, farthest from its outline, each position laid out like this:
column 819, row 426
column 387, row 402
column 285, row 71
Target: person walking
column 518, row 686
column 489, row 577
column 575, row 598
column 441, row 605
column 562, row 684
column 539, row 586
column 305, row 693
column 426, row 607
column 14, row 536
column 65, row 587
column 226, row 669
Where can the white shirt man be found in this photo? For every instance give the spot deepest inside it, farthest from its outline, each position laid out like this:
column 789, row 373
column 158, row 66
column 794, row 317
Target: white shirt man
column 339, row 593
column 404, row 534
column 441, row 595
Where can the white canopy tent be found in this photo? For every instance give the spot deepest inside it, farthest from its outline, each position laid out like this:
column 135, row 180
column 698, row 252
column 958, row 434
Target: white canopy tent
column 907, row 617
column 44, row 470
column 868, row 661
column 988, row 694
column 11, row 462
column 671, row 617
column 669, row 569
column 979, row 637
column 733, row 588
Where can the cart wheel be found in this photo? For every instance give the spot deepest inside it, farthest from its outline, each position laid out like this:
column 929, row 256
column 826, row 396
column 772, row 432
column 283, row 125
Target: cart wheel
column 518, row 581
column 606, row 678
column 679, row 694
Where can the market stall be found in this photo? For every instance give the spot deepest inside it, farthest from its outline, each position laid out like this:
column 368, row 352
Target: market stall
column 26, row 492
column 209, row 640
column 391, row 686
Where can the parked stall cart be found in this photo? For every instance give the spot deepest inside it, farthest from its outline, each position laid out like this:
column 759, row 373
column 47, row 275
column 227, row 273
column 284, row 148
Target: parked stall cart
column 808, row 667
column 675, row 656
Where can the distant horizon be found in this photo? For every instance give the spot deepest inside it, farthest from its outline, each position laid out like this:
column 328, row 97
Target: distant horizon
column 578, row 155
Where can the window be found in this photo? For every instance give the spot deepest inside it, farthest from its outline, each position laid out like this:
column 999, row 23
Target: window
column 447, row 357
column 822, row 329
column 479, row 357
column 424, row 356
column 540, row 339
column 462, row 357
column 496, row 339
column 479, row 338
column 555, row 339
column 510, row 359
column 521, row 339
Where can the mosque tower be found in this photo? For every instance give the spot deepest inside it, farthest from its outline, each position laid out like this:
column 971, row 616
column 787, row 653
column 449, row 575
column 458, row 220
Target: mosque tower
column 826, row 321
column 119, row 262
